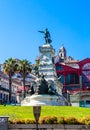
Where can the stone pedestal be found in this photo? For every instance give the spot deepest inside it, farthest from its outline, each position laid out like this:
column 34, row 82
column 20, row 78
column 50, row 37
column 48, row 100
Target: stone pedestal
column 40, row 100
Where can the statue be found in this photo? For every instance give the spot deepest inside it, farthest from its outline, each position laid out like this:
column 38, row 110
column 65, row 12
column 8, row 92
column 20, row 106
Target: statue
column 42, row 87
column 46, row 36
column 51, row 90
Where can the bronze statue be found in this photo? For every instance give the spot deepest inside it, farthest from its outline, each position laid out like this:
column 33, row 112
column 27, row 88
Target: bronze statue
column 46, row 36
column 42, row 87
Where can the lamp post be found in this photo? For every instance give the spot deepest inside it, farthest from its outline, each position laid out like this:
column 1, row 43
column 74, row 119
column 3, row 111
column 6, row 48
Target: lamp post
column 36, row 112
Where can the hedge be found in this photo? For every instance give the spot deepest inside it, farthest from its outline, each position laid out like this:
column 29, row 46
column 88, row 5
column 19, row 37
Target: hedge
column 53, row 120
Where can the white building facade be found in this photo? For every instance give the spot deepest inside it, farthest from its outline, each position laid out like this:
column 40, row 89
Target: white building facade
column 4, row 89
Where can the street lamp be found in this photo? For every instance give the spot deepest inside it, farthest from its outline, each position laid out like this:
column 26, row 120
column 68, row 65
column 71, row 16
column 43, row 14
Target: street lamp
column 36, row 112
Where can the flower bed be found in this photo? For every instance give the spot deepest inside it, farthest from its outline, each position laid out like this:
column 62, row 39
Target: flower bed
column 54, row 120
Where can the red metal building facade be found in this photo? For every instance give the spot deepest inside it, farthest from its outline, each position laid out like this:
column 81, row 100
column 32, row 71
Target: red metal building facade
column 74, row 76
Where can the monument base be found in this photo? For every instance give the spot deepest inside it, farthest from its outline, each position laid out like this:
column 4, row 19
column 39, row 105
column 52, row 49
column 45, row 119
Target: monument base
column 40, row 100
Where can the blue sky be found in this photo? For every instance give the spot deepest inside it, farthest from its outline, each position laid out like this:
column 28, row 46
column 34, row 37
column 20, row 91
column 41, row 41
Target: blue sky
column 68, row 22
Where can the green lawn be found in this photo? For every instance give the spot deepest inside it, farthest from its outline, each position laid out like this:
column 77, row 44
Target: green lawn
column 22, row 112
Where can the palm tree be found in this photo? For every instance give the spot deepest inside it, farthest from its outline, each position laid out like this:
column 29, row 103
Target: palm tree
column 24, row 68
column 36, row 66
column 9, row 68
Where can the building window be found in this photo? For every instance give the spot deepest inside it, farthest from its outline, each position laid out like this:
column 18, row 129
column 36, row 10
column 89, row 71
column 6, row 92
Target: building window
column 72, row 79
column 88, row 102
column 59, row 68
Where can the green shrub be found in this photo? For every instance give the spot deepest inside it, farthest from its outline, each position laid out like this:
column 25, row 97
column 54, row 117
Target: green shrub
column 85, row 120
column 29, row 121
column 53, row 120
column 20, row 121
column 60, row 120
column 48, row 120
column 16, row 121
column 70, row 120
column 10, row 121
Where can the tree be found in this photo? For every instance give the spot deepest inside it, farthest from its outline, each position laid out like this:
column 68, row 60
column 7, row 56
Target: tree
column 10, row 67
column 24, row 68
column 36, row 66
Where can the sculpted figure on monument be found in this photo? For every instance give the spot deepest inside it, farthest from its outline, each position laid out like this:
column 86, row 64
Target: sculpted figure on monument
column 51, row 89
column 46, row 36
column 42, row 87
